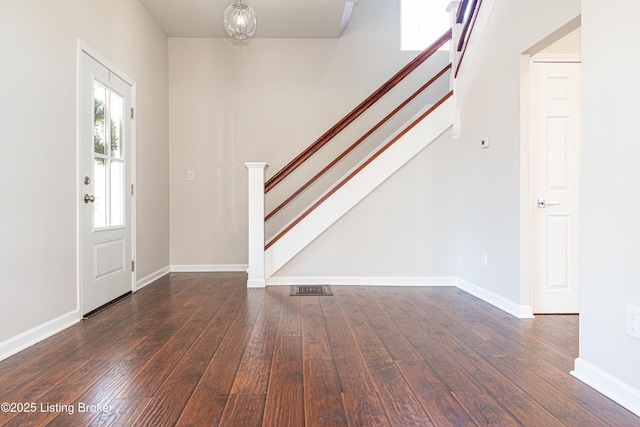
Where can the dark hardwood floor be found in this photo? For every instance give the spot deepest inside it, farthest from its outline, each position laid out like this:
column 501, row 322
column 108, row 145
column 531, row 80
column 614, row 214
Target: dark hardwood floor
column 199, row 349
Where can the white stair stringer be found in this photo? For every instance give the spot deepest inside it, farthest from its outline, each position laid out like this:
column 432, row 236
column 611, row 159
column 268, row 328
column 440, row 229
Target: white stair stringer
column 358, row 187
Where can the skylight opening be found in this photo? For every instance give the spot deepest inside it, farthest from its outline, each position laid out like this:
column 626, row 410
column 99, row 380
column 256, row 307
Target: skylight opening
column 422, row 22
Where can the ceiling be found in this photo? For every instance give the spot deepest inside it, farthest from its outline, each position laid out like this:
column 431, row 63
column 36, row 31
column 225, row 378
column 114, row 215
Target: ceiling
column 276, row 18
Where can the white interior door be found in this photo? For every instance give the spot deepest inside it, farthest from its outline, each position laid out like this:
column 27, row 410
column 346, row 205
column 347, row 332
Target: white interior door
column 556, row 170
column 105, row 188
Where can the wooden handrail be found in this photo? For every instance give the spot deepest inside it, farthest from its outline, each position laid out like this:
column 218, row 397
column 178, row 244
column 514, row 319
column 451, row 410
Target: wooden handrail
column 355, row 172
column 471, row 23
column 462, row 8
column 355, row 144
column 467, row 24
column 355, row 113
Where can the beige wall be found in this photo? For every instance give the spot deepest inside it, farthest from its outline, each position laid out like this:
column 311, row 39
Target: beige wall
column 264, row 100
column 38, row 178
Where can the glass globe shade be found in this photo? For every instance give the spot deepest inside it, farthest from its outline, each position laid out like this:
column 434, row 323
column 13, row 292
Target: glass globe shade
column 240, row 20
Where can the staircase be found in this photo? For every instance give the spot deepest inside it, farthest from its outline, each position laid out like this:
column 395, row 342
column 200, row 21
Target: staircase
column 358, row 184
column 297, row 217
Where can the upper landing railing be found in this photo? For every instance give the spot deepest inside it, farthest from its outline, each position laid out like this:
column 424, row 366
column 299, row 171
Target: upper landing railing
column 466, row 15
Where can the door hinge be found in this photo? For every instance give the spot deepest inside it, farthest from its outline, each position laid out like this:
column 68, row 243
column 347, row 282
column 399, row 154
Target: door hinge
column 133, row 265
column 132, row 189
column 132, row 115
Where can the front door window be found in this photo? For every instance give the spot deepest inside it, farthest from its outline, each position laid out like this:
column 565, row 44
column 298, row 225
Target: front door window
column 108, row 163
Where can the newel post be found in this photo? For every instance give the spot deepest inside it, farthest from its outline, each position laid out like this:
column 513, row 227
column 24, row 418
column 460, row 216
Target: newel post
column 255, row 271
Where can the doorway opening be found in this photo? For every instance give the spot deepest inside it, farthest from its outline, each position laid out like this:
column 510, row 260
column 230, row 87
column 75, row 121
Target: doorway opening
column 550, row 144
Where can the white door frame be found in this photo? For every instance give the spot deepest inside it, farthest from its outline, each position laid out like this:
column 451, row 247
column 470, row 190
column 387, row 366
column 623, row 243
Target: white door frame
column 527, row 208
column 82, row 48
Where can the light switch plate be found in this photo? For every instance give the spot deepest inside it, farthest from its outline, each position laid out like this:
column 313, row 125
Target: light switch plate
column 633, row 321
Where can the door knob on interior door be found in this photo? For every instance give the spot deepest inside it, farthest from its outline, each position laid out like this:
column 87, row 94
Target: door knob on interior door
column 89, row 198
column 543, row 203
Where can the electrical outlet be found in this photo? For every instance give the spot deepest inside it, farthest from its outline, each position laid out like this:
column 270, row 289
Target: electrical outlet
column 190, row 176
column 485, row 259
column 484, row 143
column 633, row 321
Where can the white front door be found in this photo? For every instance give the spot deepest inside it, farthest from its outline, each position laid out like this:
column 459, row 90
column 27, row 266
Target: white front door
column 556, row 178
column 105, row 188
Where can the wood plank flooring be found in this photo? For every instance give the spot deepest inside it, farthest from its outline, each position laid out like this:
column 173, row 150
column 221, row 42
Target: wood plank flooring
column 199, row 349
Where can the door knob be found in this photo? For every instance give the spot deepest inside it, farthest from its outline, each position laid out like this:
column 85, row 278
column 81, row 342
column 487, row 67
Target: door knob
column 543, row 203
column 89, row 198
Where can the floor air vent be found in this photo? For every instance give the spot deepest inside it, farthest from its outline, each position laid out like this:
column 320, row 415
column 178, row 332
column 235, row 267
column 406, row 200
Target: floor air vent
column 310, row 290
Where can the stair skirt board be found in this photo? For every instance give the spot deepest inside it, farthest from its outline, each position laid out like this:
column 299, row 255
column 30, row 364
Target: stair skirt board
column 362, row 184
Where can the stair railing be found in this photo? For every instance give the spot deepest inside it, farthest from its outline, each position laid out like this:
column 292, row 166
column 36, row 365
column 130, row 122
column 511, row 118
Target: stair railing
column 355, row 144
column 356, row 112
column 354, row 137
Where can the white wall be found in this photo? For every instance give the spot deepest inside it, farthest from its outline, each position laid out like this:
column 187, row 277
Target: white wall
column 610, row 208
column 38, row 182
column 489, row 196
column 264, row 100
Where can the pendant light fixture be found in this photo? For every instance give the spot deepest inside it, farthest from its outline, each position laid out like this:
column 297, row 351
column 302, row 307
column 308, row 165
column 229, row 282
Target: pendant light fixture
column 240, row 20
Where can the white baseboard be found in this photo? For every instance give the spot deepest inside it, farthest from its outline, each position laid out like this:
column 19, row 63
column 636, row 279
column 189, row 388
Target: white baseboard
column 39, row 333
column 519, row 311
column 152, row 278
column 618, row 391
column 365, row 281
column 209, row 268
